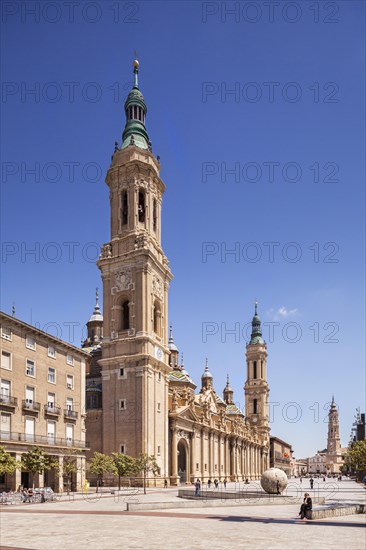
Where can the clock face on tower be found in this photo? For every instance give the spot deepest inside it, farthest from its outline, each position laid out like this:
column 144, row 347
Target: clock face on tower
column 158, row 353
column 254, row 419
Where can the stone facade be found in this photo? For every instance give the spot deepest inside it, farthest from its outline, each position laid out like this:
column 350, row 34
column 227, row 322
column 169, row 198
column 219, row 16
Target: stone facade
column 281, row 455
column 140, row 400
column 42, row 400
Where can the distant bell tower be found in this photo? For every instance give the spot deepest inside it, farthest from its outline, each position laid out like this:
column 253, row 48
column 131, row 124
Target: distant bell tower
column 136, row 277
column 334, row 442
column 256, row 388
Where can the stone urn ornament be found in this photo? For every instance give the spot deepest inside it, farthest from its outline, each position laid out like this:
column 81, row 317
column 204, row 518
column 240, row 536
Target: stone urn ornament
column 274, row 481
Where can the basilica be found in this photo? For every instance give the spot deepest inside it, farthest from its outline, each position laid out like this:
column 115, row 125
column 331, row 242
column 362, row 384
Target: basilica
column 139, row 396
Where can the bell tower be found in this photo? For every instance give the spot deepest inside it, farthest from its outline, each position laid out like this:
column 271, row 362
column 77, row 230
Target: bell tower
column 334, row 442
column 136, row 277
column 256, row 388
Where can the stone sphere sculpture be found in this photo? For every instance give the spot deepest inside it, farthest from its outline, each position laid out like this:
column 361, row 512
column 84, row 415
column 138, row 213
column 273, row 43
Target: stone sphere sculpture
column 274, row 481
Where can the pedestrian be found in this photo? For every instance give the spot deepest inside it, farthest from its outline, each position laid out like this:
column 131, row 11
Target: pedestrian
column 198, row 488
column 311, row 483
column 247, row 480
column 209, row 483
column 216, row 482
column 225, row 481
column 306, row 505
column 300, row 479
column 278, row 487
column 165, row 484
column 323, row 478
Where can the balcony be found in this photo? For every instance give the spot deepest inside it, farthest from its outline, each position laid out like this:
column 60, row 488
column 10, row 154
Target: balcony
column 70, row 414
column 52, row 410
column 8, row 402
column 31, row 406
column 42, row 440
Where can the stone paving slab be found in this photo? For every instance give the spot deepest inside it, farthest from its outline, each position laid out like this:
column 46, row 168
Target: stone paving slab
column 105, row 525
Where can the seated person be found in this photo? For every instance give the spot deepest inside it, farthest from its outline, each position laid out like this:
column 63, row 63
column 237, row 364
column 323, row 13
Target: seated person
column 306, row 505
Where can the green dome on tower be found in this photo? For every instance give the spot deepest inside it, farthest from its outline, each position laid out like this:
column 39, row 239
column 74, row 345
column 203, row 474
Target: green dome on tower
column 135, row 109
column 256, row 337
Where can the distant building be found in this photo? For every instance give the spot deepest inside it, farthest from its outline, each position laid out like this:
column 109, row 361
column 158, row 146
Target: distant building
column 300, row 467
column 317, row 463
column 42, row 401
column 280, row 455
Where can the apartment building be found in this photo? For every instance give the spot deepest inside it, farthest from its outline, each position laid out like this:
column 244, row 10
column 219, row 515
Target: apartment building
column 42, row 401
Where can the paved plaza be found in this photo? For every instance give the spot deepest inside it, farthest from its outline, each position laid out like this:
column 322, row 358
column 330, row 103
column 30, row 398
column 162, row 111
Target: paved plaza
column 102, row 522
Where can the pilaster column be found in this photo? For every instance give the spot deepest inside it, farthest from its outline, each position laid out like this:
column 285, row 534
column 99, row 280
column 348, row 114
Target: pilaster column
column 202, row 454
column 193, row 456
column 79, row 473
column 59, row 477
column 18, row 473
column 175, row 477
column 242, row 461
column 233, row 462
column 219, row 455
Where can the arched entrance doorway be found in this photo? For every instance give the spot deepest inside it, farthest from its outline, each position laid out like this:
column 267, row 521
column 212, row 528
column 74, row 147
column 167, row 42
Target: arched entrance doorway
column 182, row 461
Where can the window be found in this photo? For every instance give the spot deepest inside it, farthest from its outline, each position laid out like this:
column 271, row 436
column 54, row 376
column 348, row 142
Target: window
column 69, row 359
column 70, row 404
column 29, row 428
column 159, row 376
column 197, row 466
column 69, row 433
column 155, row 216
column 158, row 407
column 6, row 333
column 69, row 382
column 122, row 404
column 122, row 449
column 157, row 317
column 124, row 208
column 254, row 369
column 255, row 406
column 6, row 360
column 5, row 425
column 5, row 390
column 51, row 398
column 159, row 447
column 122, row 372
column 29, row 395
column 51, row 431
column 92, row 402
column 30, row 368
column 30, row 342
column 52, row 352
column 125, row 315
column 141, row 207
column 51, row 375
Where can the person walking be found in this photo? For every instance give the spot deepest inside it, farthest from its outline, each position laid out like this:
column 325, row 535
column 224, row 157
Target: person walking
column 311, row 483
column 225, row 482
column 209, row 483
column 198, row 488
column 306, row 506
column 216, row 483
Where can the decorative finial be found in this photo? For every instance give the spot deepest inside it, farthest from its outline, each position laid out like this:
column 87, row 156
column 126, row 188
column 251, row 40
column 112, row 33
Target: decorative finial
column 13, row 310
column 136, row 70
column 227, row 379
column 170, row 332
column 255, row 308
column 206, row 367
column 182, row 361
column 96, row 297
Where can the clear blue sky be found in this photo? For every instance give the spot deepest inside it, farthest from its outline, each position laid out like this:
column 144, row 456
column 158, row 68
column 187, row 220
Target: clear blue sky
column 293, row 132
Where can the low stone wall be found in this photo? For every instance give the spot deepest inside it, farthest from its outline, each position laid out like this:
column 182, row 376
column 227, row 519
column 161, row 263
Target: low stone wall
column 215, row 503
column 335, row 511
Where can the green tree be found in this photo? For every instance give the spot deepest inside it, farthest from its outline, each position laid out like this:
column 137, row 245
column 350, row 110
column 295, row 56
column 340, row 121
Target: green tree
column 125, row 466
column 69, row 466
column 99, row 465
column 8, row 463
column 36, row 461
column 356, row 456
column 147, row 464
